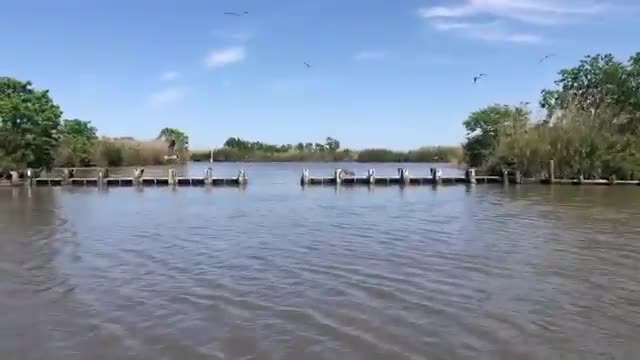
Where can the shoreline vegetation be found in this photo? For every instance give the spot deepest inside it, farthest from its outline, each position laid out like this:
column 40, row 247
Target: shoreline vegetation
column 591, row 130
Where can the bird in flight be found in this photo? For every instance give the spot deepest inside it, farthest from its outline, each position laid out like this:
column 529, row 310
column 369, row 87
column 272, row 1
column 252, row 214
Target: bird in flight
column 542, row 59
column 476, row 78
column 307, row 64
column 231, row 13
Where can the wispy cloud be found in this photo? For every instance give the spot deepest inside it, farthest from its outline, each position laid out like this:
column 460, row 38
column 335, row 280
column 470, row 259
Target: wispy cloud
column 498, row 20
column 494, row 31
column 370, row 55
column 222, row 57
column 168, row 96
column 541, row 12
column 170, row 75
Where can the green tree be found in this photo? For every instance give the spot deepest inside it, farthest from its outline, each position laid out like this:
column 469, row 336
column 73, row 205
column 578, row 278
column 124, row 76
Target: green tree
column 29, row 125
column 332, row 144
column 179, row 139
column 77, row 146
column 300, row 147
column 486, row 126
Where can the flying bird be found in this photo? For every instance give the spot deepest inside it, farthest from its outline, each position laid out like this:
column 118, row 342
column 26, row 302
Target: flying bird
column 542, row 59
column 476, row 78
column 231, row 13
column 307, row 64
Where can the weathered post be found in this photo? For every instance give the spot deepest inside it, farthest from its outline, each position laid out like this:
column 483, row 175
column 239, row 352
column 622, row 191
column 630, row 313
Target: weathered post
column 518, row 177
column 372, row 176
column 338, row 176
column 211, row 156
column 552, row 174
column 471, row 176
column 304, row 180
column 173, row 178
column 208, row 176
column 102, row 175
column 137, row 176
column 436, row 175
column 612, row 179
column 505, row 176
column 28, row 177
column 242, row 177
column 67, row 175
column 405, row 179
column 581, row 179
column 15, row 177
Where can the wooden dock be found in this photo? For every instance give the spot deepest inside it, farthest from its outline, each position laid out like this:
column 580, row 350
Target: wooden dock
column 435, row 178
column 103, row 179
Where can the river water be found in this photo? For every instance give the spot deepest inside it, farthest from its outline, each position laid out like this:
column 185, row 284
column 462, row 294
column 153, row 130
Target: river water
column 274, row 271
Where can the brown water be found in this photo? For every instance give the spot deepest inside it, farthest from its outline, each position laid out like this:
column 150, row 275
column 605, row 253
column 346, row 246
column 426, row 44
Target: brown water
column 277, row 272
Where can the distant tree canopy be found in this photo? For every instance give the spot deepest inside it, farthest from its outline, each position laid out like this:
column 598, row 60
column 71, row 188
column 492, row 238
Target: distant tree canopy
column 331, row 145
column 29, row 125
column 176, row 139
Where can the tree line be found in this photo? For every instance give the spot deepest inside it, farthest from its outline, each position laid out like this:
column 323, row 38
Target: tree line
column 33, row 134
column 591, row 127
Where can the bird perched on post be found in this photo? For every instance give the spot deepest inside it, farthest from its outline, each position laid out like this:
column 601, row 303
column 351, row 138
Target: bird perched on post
column 478, row 77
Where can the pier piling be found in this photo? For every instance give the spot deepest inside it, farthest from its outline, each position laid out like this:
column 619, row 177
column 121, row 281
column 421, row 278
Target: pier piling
column 471, row 176
column 338, row 176
column 436, row 176
column 405, row 179
column 173, row 178
column 505, row 176
column 518, row 177
column 552, row 176
column 242, row 177
column 371, row 177
column 208, row 176
column 304, row 180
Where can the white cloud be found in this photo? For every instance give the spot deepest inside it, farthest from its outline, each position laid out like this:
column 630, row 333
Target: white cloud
column 542, row 12
column 488, row 31
column 168, row 96
column 370, row 55
column 494, row 20
column 222, row 57
column 170, row 75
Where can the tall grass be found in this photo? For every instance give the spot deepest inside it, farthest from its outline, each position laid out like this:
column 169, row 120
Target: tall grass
column 127, row 152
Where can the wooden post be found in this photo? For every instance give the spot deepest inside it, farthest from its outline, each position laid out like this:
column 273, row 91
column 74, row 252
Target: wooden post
column 338, row 176
column 102, row 175
column 471, row 176
column 173, row 178
column 436, row 175
column 28, row 177
column 15, row 177
column 211, row 155
column 405, row 179
column 242, row 177
column 137, row 176
column 612, row 179
column 208, row 176
column 304, row 180
column 505, row 176
column 518, row 177
column 67, row 175
column 552, row 174
column 580, row 179
column 372, row 176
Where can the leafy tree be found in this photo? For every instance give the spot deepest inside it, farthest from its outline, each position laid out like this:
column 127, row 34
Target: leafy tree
column 332, row 144
column 300, row 147
column 177, row 139
column 319, row 147
column 308, row 147
column 29, row 125
column 77, row 146
column 486, row 126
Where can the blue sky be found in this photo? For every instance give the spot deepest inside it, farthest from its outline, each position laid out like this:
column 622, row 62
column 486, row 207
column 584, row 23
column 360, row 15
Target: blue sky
column 384, row 73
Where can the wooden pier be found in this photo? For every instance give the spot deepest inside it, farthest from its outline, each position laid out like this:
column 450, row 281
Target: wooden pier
column 435, row 178
column 68, row 178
